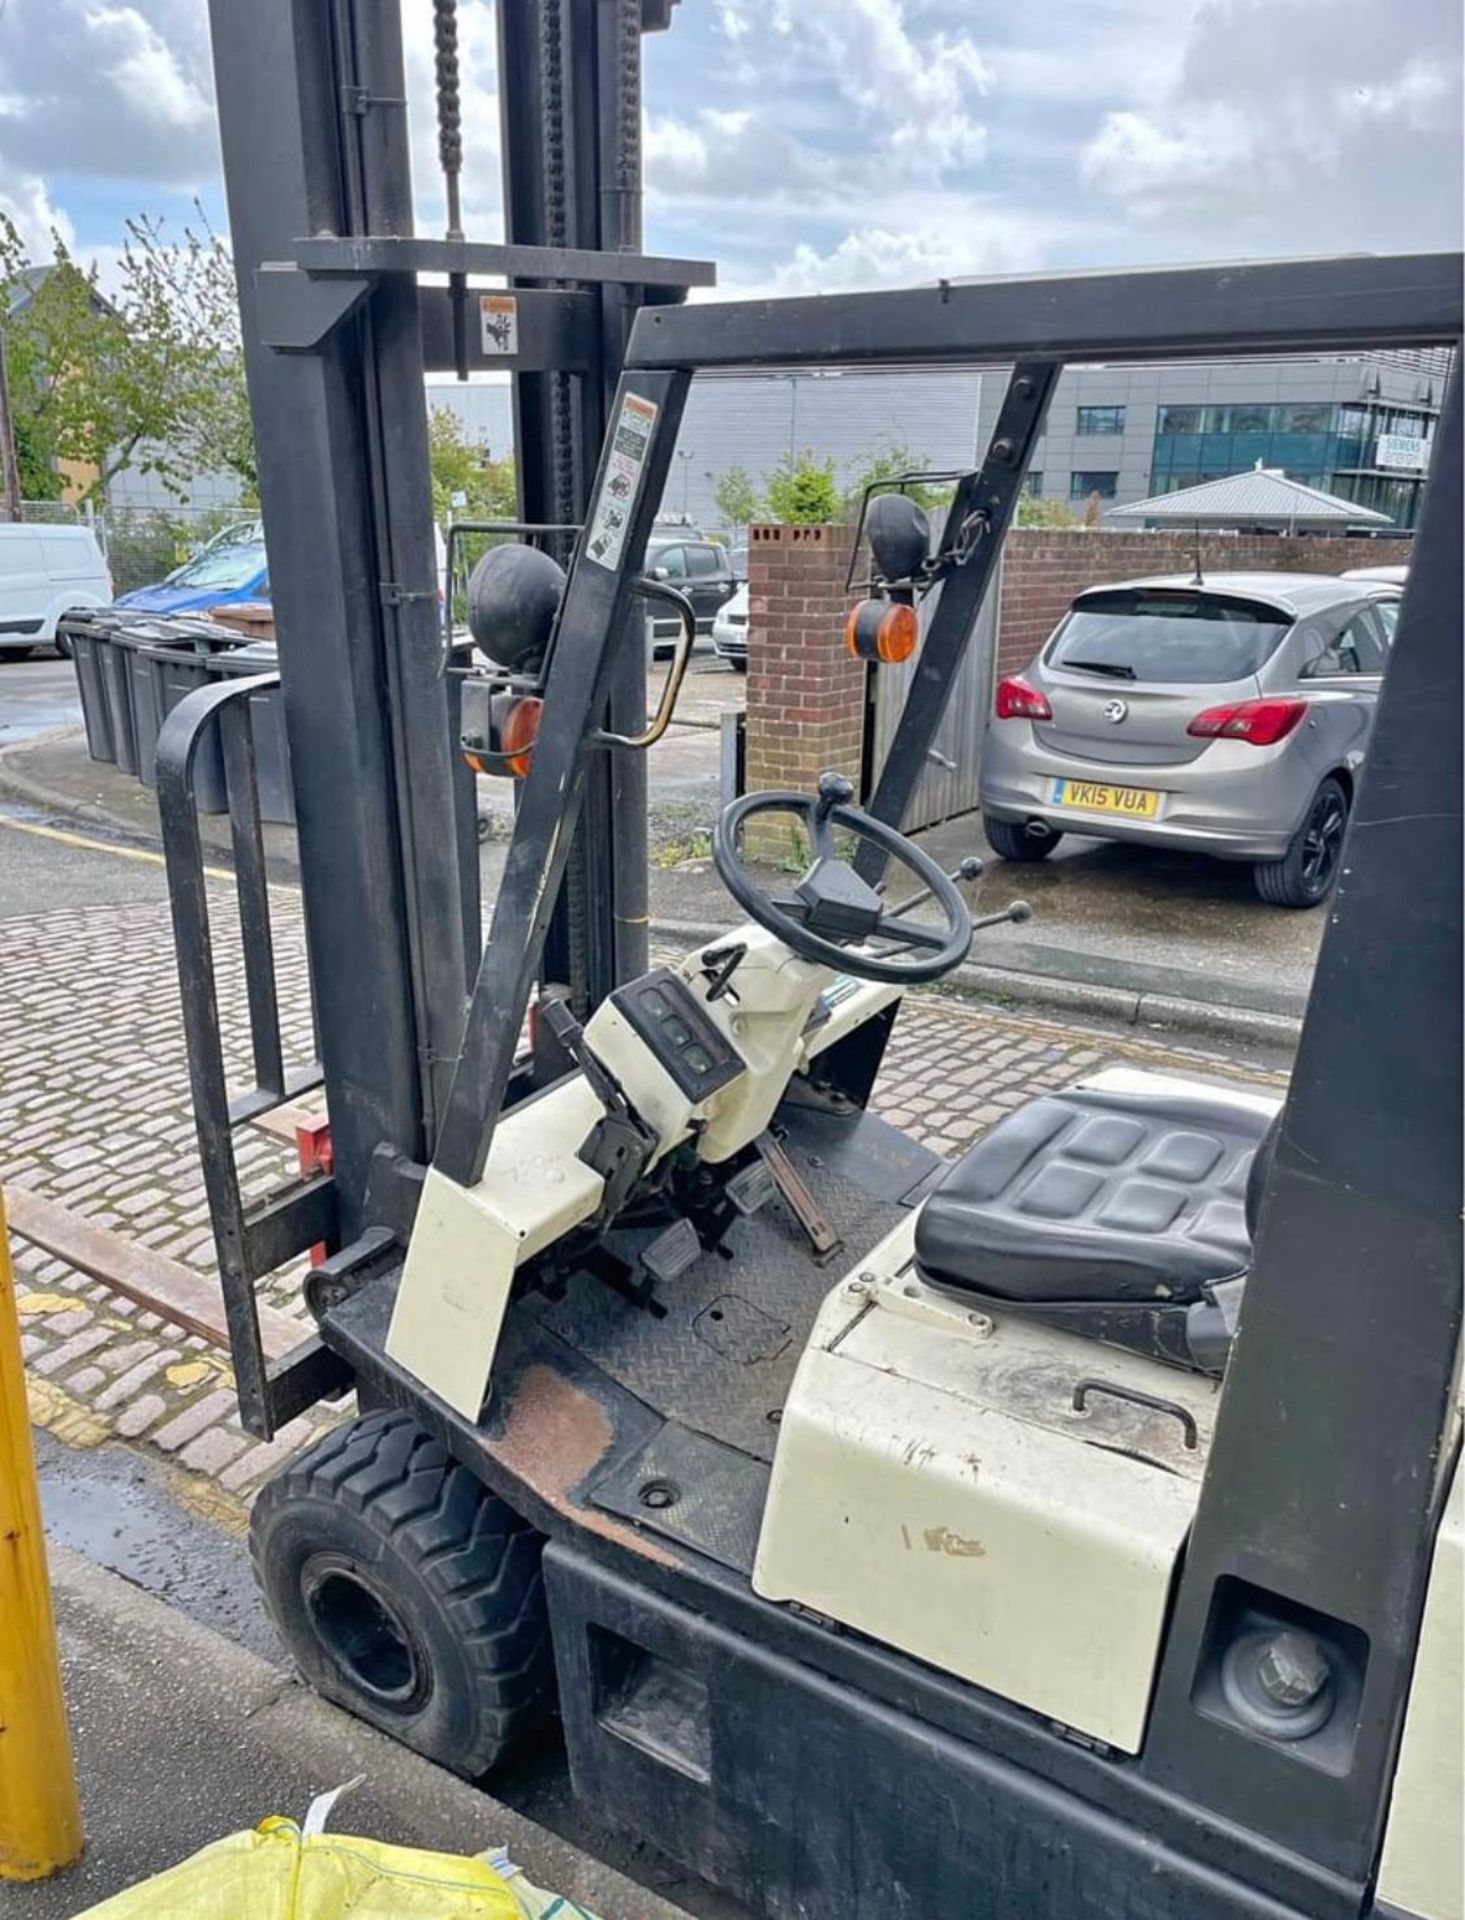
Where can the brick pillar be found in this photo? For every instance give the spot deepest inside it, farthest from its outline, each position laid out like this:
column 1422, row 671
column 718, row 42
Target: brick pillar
column 806, row 696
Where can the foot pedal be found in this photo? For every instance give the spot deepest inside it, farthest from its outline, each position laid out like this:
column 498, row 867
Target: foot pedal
column 751, row 1188
column 670, row 1254
column 800, row 1202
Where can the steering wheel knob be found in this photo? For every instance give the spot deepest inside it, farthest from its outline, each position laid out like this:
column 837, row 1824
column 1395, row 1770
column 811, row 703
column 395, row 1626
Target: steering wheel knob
column 835, row 790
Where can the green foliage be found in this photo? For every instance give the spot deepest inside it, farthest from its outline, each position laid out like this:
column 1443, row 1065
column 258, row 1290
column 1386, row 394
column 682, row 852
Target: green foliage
column 180, row 305
column 1033, row 512
column 38, row 478
column 802, row 491
column 736, row 497
column 463, row 467
column 151, row 380
column 887, row 460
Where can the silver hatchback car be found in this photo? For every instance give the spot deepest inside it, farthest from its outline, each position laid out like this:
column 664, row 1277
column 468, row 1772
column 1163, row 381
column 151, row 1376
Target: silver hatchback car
column 1228, row 718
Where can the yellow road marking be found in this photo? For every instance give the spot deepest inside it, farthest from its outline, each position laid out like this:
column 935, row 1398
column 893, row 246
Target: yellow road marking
column 88, row 845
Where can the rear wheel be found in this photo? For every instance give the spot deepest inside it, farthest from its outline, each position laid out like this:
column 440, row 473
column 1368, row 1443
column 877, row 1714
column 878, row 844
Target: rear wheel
column 1010, row 841
column 1306, row 875
column 406, row 1592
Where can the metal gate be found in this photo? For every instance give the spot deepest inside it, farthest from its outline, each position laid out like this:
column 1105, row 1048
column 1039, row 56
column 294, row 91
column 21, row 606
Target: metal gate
column 953, row 768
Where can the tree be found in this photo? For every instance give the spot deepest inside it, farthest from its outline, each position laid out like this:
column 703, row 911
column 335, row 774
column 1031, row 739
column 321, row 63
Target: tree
column 736, row 497
column 151, row 379
column 1035, row 512
column 887, row 461
column 182, row 296
column 466, row 483
column 802, row 491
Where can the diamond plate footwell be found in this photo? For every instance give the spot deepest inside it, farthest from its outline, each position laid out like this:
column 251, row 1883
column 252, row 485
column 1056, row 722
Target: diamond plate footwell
column 721, row 1360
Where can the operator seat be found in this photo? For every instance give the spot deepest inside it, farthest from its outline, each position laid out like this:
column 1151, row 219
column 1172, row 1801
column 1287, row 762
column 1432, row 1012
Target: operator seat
column 1123, row 1213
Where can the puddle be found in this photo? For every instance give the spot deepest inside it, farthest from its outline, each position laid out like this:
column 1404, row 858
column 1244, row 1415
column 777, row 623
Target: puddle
column 115, row 1507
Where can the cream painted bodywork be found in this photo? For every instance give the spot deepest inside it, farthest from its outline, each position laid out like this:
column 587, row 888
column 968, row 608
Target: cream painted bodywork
column 934, row 1488
column 1423, row 1868
column 468, row 1242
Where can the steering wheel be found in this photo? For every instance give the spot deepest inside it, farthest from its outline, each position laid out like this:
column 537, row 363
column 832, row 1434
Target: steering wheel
column 831, row 905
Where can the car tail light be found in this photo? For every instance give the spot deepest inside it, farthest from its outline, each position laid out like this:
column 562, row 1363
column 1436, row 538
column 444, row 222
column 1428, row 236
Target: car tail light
column 1020, row 700
column 1262, row 723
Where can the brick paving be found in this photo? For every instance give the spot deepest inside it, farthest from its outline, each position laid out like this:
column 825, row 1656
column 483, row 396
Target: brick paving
column 94, row 1112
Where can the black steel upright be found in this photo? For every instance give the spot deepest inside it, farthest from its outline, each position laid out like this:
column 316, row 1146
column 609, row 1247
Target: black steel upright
column 1333, row 1439
column 570, row 103
column 287, row 160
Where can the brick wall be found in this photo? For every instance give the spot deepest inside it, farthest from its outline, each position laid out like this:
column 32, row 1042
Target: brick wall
column 805, row 694
column 1042, row 570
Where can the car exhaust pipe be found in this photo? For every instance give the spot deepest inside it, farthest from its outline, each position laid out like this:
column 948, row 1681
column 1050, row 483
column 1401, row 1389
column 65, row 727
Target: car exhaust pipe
column 1037, row 830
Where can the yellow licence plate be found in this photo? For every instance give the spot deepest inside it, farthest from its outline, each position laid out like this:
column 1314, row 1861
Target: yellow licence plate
column 1135, row 803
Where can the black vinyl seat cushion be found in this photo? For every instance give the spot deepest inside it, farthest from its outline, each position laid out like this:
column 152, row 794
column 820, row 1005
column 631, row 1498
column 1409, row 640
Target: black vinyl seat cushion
column 1091, row 1196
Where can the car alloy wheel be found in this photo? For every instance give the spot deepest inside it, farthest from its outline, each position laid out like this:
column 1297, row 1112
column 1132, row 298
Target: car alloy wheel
column 1322, row 841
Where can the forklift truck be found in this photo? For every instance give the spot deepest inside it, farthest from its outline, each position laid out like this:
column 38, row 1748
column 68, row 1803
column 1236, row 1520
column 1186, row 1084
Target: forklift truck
column 1071, row 1531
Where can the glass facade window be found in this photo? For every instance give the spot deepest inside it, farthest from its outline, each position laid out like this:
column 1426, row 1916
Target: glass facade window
column 1100, row 420
column 1310, row 418
column 1321, row 444
column 1082, row 484
column 1032, row 486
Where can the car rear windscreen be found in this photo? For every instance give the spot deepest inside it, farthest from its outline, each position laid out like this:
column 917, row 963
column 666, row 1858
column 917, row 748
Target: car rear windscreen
column 1137, row 635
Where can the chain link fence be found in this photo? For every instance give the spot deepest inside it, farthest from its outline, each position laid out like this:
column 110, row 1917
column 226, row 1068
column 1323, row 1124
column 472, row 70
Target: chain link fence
column 141, row 544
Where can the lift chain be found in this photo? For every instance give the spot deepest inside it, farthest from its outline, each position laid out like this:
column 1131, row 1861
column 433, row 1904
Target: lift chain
column 449, row 103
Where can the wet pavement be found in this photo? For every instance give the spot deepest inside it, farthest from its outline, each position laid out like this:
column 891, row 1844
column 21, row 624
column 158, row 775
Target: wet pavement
column 36, row 696
column 122, row 1509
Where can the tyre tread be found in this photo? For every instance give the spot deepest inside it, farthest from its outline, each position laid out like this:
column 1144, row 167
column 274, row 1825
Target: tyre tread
column 477, row 1557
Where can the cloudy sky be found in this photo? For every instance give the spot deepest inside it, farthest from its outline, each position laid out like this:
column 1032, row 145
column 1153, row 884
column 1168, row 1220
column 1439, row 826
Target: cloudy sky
column 823, row 144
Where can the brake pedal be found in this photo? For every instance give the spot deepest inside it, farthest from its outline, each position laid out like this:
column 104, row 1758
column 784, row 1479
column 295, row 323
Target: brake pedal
column 674, row 1249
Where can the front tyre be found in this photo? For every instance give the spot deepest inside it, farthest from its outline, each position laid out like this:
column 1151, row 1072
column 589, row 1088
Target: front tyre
column 406, row 1592
column 1305, row 876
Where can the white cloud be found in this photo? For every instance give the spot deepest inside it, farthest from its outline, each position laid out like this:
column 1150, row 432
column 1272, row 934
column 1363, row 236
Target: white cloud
column 910, row 93
column 150, row 75
column 109, row 91
column 1297, row 125
column 27, row 205
column 960, row 237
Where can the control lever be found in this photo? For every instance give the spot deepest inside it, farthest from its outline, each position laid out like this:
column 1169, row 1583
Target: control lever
column 620, row 1145
column 567, row 1031
column 1016, row 912
column 968, row 870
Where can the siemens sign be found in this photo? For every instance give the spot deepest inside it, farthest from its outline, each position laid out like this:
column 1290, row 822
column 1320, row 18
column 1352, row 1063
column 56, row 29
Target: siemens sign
column 1401, row 450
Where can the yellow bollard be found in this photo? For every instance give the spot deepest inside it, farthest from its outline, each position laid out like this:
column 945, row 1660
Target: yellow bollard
column 40, row 1817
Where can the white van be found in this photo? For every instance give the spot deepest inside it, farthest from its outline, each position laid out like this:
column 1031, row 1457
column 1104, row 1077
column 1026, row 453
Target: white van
column 46, row 571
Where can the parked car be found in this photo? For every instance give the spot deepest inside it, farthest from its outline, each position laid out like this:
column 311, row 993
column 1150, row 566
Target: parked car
column 1383, row 576
column 45, row 572
column 1229, row 718
column 697, row 568
column 737, row 559
column 730, row 630
column 231, row 568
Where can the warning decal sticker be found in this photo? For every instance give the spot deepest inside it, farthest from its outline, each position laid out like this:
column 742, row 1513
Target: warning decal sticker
column 622, row 482
column 498, row 319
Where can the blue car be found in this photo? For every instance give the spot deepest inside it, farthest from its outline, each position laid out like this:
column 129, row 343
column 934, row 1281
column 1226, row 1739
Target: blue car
column 229, row 569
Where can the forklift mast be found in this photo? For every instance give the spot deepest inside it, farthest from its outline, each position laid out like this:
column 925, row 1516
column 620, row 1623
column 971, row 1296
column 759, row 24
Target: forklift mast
column 313, row 119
